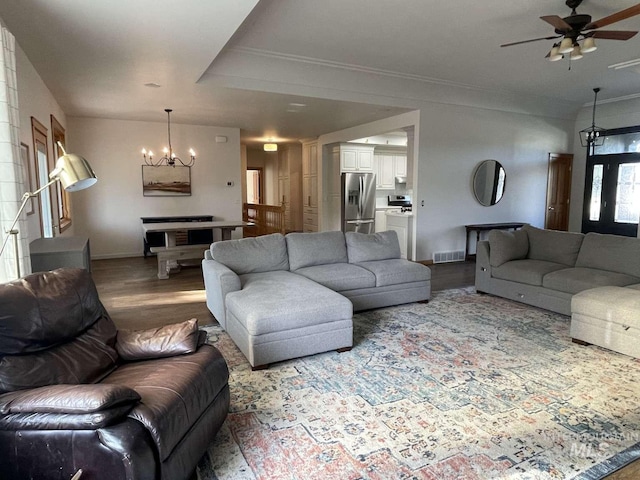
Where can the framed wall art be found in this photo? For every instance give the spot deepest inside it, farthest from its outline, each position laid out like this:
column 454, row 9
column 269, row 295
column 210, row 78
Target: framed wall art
column 166, row 181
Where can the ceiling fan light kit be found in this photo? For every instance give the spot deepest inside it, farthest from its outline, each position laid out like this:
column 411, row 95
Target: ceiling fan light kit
column 579, row 28
column 589, row 45
column 554, row 54
column 576, row 53
column 566, row 46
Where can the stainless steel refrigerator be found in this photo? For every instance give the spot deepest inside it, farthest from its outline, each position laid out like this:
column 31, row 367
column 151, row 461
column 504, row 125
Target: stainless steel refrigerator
column 358, row 202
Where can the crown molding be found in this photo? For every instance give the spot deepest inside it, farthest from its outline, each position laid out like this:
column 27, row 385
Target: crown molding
column 624, row 98
column 376, row 71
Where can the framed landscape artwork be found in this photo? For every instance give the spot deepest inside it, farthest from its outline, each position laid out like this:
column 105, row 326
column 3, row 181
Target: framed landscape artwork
column 166, row 181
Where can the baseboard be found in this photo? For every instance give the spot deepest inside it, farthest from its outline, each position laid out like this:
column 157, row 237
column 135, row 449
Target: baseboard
column 110, row 256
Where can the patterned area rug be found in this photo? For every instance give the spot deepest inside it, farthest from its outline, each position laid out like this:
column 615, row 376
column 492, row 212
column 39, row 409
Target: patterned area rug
column 467, row 386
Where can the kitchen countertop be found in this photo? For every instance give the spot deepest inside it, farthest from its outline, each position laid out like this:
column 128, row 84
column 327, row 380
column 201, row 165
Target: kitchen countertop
column 398, row 213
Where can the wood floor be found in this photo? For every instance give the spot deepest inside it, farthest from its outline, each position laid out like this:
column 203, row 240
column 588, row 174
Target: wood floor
column 136, row 299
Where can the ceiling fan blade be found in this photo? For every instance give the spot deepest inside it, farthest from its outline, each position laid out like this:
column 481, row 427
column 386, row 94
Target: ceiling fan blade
column 616, row 17
column 532, row 40
column 557, row 22
column 613, row 34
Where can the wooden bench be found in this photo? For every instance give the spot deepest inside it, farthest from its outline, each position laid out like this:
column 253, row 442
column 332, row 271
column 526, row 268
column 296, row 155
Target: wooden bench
column 179, row 252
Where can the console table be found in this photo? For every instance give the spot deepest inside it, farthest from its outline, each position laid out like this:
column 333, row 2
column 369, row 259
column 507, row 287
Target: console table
column 484, row 227
column 51, row 253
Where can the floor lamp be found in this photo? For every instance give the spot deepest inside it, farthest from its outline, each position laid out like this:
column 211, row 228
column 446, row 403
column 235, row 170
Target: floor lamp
column 73, row 172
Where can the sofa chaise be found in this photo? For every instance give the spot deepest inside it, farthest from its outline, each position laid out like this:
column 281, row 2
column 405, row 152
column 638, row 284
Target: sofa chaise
column 286, row 297
column 76, row 394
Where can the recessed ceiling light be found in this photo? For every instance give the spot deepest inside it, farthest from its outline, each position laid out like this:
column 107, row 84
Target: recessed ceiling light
column 152, row 85
column 298, row 105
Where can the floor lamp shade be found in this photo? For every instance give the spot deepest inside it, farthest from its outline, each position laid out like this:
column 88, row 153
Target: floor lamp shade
column 74, row 172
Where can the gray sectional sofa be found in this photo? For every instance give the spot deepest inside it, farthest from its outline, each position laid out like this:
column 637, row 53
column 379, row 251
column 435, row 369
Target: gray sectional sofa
column 285, row 297
column 546, row 268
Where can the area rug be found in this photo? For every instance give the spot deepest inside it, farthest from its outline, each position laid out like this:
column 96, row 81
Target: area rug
column 467, row 386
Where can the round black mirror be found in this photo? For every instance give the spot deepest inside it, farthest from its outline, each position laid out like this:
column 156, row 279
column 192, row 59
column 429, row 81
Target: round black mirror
column 488, row 182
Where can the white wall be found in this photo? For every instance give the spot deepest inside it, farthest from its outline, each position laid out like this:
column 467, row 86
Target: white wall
column 109, row 212
column 35, row 100
column 451, row 141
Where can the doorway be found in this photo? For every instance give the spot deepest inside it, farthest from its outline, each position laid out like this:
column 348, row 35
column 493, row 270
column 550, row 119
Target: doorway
column 558, row 191
column 255, row 185
column 612, row 184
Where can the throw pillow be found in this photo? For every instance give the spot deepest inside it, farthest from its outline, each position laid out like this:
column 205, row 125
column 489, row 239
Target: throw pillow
column 505, row 246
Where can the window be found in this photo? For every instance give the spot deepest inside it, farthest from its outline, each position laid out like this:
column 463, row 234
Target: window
column 42, row 168
column 612, row 184
column 64, row 216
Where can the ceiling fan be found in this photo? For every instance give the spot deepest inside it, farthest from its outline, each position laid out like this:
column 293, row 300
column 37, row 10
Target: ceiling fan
column 579, row 27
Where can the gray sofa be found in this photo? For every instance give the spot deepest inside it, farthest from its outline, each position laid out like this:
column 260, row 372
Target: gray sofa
column 546, row 268
column 285, row 297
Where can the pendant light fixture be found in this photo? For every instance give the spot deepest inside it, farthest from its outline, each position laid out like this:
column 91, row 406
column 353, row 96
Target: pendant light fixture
column 270, row 147
column 593, row 136
column 168, row 158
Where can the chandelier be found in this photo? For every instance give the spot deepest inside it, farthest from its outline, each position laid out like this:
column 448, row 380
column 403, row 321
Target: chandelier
column 593, row 136
column 168, row 158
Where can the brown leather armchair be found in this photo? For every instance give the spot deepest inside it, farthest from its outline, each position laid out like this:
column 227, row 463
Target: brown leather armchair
column 77, row 394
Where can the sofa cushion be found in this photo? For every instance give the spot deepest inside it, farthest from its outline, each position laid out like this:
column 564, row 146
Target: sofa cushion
column 397, row 271
column 526, row 271
column 277, row 301
column 613, row 253
column 175, row 391
column 321, row 248
column 610, row 304
column 339, row 276
column 252, row 255
column 363, row 247
column 506, row 246
column 574, row 280
column 553, row 246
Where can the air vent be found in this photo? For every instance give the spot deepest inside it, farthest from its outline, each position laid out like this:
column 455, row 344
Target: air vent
column 444, row 257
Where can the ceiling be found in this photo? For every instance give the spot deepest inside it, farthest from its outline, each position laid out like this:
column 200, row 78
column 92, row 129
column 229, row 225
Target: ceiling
column 99, row 58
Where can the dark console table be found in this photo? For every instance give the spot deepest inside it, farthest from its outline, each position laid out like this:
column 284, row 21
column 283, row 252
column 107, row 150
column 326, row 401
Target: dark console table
column 194, row 237
column 484, row 227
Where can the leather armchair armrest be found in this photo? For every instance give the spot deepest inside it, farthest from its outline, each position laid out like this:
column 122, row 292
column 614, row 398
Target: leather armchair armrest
column 166, row 341
column 66, row 407
column 75, row 399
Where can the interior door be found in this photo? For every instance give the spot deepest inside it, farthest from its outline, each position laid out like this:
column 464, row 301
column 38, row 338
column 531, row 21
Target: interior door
column 558, row 191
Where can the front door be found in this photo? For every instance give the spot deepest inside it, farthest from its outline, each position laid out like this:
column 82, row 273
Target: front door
column 558, row 191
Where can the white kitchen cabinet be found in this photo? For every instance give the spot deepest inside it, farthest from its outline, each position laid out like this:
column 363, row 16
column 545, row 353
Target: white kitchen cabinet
column 310, row 187
column 381, row 221
column 400, row 165
column 402, row 224
column 355, row 157
column 385, row 172
column 390, row 162
column 290, row 186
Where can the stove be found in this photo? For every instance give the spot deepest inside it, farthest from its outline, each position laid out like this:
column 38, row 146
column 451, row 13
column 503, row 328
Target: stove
column 402, row 201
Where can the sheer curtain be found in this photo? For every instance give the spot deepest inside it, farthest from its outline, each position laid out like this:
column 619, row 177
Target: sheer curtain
column 11, row 171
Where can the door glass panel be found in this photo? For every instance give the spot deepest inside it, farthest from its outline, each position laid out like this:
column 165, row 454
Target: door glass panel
column 628, row 193
column 626, row 143
column 596, row 193
column 45, row 199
